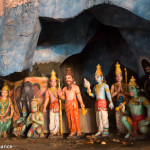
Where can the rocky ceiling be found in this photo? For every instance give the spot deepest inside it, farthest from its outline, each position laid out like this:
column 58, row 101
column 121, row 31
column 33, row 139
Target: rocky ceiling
column 53, row 30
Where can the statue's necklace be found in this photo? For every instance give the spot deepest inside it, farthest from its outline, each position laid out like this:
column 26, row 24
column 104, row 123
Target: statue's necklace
column 134, row 100
column 3, row 105
column 98, row 88
column 54, row 91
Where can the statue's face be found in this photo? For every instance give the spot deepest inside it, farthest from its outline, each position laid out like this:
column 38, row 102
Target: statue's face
column 53, row 83
column 133, row 91
column 68, row 79
column 99, row 78
column 4, row 93
column 34, row 108
column 119, row 77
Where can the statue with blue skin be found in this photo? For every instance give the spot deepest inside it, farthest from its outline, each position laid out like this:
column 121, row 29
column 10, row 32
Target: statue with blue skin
column 136, row 120
column 100, row 90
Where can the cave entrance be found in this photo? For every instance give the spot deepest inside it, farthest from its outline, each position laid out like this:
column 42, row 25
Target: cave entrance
column 94, row 36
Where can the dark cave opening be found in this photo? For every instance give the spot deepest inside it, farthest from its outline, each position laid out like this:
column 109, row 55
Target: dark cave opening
column 90, row 38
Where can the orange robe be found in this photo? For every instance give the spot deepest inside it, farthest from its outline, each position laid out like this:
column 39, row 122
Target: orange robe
column 72, row 111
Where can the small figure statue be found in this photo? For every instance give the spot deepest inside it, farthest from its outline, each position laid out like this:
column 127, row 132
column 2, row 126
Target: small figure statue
column 101, row 104
column 36, row 118
column 6, row 111
column 52, row 96
column 20, row 129
column 71, row 93
column 136, row 106
column 119, row 91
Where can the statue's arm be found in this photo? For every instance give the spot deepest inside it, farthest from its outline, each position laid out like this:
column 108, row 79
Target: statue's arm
column 146, row 103
column 46, row 101
column 127, row 111
column 40, row 121
column 79, row 97
column 113, row 93
column 29, row 121
column 61, row 94
column 111, row 105
column 12, row 110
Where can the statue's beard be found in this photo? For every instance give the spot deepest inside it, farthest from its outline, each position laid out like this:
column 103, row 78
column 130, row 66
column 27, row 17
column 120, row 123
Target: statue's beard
column 69, row 87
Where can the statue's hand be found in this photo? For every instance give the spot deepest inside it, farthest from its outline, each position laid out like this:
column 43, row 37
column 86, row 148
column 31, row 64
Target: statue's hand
column 44, row 110
column 148, row 119
column 8, row 117
column 144, row 122
column 89, row 91
column 82, row 105
column 111, row 105
column 59, row 92
column 87, row 84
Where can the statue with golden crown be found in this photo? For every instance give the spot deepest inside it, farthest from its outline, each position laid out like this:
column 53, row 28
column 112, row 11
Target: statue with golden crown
column 136, row 120
column 99, row 91
column 120, row 94
column 52, row 97
column 36, row 119
column 6, row 111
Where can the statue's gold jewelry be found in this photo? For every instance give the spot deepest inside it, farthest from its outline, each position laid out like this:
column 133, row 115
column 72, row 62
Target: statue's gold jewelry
column 53, row 75
column 54, row 91
column 132, row 82
column 98, row 71
column 118, row 69
column 98, row 88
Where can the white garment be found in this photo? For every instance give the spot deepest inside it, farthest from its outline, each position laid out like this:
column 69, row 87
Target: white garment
column 54, row 122
column 102, row 120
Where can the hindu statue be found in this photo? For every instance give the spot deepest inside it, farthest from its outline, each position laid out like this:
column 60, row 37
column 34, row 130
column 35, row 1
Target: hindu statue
column 119, row 93
column 136, row 122
column 52, row 97
column 22, row 124
column 6, row 111
column 100, row 90
column 36, row 119
column 71, row 93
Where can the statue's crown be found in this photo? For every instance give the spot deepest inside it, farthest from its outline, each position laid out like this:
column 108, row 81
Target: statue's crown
column 5, row 87
column 98, row 71
column 53, row 75
column 35, row 101
column 132, row 82
column 118, row 69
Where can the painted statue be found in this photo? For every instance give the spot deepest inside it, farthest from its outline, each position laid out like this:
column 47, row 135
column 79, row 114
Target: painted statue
column 36, row 119
column 6, row 111
column 22, row 124
column 52, row 96
column 71, row 93
column 137, row 123
column 119, row 92
column 101, row 104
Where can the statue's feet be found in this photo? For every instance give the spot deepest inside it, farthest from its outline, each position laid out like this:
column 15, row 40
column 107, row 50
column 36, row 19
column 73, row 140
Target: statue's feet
column 72, row 134
column 128, row 135
column 118, row 133
column 105, row 134
column 50, row 135
column 134, row 134
column 42, row 135
column 5, row 134
column 58, row 133
column 98, row 133
column 78, row 133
